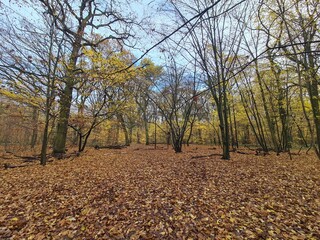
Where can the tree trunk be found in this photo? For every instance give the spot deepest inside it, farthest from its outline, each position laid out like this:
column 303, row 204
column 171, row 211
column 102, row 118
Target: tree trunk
column 270, row 123
column 130, row 134
column 226, row 137
column 232, row 135
column 43, row 159
column 80, row 142
column 138, row 136
column 200, row 135
column 35, row 119
column 190, row 133
column 216, row 138
column 85, row 140
column 314, row 100
column 246, row 135
column 146, row 128
column 235, row 128
column 124, row 129
column 177, row 144
column 116, row 135
column 250, row 107
column 59, row 146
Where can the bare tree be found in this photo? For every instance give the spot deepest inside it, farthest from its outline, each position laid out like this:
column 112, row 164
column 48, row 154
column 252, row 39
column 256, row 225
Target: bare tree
column 174, row 97
column 216, row 38
column 29, row 63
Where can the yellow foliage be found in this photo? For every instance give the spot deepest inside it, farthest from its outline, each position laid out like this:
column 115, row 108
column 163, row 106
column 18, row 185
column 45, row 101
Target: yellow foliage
column 30, row 100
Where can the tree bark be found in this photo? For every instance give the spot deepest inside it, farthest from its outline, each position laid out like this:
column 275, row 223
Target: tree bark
column 226, row 137
column 314, row 100
column 146, row 128
column 35, row 119
column 124, row 129
column 270, row 123
column 60, row 140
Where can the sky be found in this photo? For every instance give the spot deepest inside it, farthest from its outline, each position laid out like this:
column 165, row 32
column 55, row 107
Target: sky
column 144, row 9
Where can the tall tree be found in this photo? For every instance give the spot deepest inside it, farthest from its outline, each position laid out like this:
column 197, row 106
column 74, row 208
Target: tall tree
column 76, row 20
column 216, row 38
column 147, row 74
column 174, row 97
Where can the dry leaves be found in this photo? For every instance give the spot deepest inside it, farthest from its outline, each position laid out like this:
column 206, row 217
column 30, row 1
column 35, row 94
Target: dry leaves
column 157, row 194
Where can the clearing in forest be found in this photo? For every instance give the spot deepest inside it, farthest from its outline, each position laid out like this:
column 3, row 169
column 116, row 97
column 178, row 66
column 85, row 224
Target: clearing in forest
column 142, row 193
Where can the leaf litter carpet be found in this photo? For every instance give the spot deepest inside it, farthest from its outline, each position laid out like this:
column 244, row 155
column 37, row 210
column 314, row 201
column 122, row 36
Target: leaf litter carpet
column 141, row 193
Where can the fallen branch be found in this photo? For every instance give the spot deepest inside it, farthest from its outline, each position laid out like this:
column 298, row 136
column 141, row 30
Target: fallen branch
column 7, row 166
column 212, row 148
column 206, row 156
column 241, row 152
column 29, row 159
column 62, row 156
column 110, row 147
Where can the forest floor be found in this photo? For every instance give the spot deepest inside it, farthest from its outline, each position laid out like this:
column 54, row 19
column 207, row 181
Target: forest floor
column 142, row 193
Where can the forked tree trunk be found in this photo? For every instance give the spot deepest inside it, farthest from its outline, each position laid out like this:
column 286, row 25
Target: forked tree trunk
column 124, row 129
column 177, row 144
